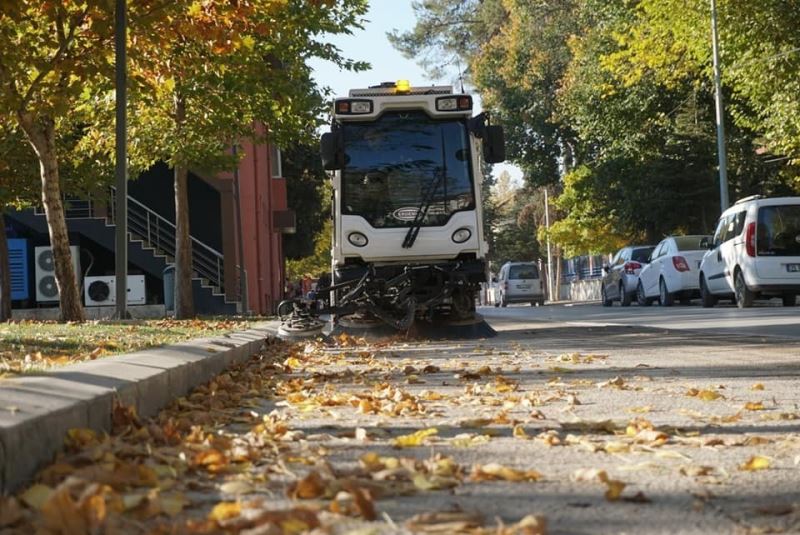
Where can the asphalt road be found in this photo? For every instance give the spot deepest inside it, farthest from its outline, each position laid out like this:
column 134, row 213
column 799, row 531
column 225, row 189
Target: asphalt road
column 765, row 320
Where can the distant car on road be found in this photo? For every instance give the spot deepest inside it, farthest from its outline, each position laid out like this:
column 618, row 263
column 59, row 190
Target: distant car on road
column 755, row 252
column 672, row 271
column 622, row 274
column 520, row 282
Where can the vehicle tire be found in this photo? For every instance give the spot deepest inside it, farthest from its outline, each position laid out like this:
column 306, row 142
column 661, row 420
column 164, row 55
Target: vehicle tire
column 604, row 298
column 496, row 304
column 789, row 300
column 706, row 297
column 643, row 300
column 624, row 297
column 503, row 302
column 665, row 298
column 541, row 302
column 744, row 296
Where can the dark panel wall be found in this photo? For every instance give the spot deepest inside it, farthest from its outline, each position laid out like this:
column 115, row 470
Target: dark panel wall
column 154, row 189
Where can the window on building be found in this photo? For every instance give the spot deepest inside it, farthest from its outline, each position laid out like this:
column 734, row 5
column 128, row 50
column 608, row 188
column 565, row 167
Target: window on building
column 276, row 169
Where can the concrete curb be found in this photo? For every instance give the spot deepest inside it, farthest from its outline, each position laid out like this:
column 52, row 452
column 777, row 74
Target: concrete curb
column 37, row 411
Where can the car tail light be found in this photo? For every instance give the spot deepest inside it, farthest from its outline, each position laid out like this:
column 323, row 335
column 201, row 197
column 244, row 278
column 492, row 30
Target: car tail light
column 631, row 267
column 750, row 240
column 680, row 263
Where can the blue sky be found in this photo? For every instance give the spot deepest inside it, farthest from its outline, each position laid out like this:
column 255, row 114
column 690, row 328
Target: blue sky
column 371, row 45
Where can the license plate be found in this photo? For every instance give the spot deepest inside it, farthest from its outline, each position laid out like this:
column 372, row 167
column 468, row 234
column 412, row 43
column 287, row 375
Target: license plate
column 523, row 286
column 793, row 268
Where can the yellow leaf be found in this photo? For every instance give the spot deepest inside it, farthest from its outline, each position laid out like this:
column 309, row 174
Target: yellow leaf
column 754, row 406
column 36, row 496
column 236, row 487
column 519, row 432
column 414, row 439
column 757, row 386
column 495, row 472
column 224, row 511
column 705, row 395
column 614, row 489
column 756, row 462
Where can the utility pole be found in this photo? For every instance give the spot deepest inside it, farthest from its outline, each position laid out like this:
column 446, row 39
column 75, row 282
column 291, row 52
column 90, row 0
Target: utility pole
column 549, row 254
column 243, row 298
column 121, row 170
column 723, row 158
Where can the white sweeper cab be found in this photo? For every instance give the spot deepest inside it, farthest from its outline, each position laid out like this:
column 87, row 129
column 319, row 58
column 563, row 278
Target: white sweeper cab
column 408, row 240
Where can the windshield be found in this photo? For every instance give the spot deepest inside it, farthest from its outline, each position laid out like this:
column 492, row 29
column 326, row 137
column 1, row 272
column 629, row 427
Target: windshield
column 690, row 243
column 394, row 163
column 778, row 231
column 523, row 271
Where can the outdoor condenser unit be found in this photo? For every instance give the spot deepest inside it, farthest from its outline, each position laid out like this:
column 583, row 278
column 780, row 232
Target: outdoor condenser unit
column 102, row 291
column 45, row 271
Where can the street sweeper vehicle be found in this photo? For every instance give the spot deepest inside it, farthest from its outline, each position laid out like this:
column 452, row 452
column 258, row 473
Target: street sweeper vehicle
column 408, row 240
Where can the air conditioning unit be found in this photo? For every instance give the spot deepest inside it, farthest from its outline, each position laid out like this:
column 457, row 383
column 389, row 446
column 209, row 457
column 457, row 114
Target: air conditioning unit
column 45, row 271
column 102, row 291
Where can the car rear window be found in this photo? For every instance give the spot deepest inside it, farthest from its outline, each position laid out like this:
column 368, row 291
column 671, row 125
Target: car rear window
column 778, row 230
column 642, row 254
column 523, row 271
column 689, row 243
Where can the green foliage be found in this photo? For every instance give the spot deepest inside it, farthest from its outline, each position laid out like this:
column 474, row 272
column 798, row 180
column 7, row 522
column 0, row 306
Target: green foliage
column 309, row 195
column 316, row 264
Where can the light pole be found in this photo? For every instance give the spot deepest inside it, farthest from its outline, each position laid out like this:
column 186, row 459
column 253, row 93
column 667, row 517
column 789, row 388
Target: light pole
column 121, row 168
column 549, row 255
column 723, row 159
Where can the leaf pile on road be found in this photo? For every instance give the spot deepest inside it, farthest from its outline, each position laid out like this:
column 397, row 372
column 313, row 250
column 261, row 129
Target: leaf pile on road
column 30, row 346
column 405, row 437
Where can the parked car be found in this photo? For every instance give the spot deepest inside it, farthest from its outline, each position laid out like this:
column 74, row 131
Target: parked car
column 672, row 271
column 755, row 252
column 622, row 274
column 520, row 282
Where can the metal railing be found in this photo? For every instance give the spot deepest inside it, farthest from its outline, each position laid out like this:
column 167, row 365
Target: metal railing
column 160, row 233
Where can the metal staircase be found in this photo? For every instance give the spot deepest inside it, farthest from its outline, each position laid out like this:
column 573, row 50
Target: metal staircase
column 150, row 232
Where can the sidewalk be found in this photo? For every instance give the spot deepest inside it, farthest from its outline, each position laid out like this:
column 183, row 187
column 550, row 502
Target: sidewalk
column 36, row 411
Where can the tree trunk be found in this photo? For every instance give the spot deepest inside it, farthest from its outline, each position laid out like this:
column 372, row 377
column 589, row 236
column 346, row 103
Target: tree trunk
column 5, row 273
column 184, row 301
column 40, row 132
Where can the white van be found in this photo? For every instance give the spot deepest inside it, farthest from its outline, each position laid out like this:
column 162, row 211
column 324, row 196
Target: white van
column 755, row 252
column 520, row 282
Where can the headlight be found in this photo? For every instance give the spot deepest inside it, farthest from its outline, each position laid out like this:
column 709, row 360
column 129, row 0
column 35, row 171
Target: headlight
column 462, row 235
column 357, row 239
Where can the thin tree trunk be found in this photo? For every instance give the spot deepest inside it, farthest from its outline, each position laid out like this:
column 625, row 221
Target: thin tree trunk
column 41, row 135
column 184, row 302
column 5, row 273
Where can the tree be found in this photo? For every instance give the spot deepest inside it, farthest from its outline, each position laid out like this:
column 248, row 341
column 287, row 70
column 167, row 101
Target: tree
column 49, row 52
column 208, row 74
column 309, row 195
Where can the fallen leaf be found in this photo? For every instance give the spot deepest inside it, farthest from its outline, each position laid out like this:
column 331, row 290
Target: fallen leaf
column 498, row 472
column 236, row 487
column 10, row 511
column 310, row 487
column 225, row 511
column 475, row 422
column 754, row 406
column 756, row 462
column 414, row 439
column 445, row 522
column 757, row 386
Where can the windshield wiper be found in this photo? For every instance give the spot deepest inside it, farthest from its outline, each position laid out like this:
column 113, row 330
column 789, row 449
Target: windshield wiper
column 427, row 200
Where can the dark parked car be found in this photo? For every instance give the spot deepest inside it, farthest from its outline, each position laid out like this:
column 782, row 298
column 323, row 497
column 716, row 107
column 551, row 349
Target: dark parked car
column 621, row 276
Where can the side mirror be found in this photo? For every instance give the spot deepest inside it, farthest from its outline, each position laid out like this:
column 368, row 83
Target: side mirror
column 705, row 243
column 331, row 149
column 494, row 144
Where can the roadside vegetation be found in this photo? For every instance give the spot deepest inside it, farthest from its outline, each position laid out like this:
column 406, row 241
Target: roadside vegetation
column 33, row 346
column 610, row 106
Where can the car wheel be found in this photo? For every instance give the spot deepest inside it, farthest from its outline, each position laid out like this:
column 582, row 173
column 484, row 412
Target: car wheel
column 604, row 298
column 665, row 298
column 624, row 297
column 706, row 297
column 503, row 301
column 641, row 298
column 744, row 296
column 789, row 300
column 497, row 304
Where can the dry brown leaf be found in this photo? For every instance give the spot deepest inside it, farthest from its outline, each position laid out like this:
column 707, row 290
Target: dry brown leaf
column 445, row 522
column 498, row 472
column 754, row 406
column 310, row 487
column 10, row 511
column 61, row 514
